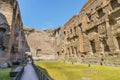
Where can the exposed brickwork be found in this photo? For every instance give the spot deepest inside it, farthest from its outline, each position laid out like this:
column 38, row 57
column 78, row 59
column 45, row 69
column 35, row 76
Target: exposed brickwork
column 93, row 33
column 12, row 38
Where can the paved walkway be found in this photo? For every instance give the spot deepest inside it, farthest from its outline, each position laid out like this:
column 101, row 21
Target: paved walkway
column 29, row 73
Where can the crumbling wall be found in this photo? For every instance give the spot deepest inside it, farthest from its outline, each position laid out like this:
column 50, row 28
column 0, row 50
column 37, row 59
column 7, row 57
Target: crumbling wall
column 11, row 31
column 97, row 29
column 40, row 42
column 4, row 38
column 71, row 39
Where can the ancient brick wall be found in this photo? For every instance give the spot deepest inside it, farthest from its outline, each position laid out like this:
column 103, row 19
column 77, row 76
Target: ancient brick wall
column 41, row 43
column 12, row 26
column 71, row 39
column 97, row 29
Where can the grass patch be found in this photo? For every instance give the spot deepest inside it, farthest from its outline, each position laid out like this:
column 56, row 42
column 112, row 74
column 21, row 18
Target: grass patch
column 4, row 74
column 68, row 71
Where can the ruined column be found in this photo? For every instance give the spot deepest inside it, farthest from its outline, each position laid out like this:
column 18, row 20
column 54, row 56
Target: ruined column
column 71, row 52
column 98, row 45
column 19, row 46
column 86, row 44
column 112, row 41
column 107, row 24
column 75, row 51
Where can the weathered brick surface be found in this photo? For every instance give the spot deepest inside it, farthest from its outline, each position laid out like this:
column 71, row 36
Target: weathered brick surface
column 12, row 37
column 94, row 31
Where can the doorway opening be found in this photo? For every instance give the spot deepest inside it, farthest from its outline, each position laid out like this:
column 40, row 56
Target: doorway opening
column 92, row 43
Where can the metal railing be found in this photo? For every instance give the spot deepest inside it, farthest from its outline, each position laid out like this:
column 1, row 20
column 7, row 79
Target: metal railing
column 19, row 75
column 41, row 75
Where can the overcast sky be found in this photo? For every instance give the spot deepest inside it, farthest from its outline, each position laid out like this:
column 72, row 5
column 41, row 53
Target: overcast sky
column 43, row 14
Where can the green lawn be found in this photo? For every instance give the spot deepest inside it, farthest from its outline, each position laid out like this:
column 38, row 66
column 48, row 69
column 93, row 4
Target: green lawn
column 4, row 74
column 68, row 71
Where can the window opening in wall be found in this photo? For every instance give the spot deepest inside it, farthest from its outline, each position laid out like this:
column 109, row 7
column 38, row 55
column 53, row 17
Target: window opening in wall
column 59, row 33
column 72, row 51
column 80, row 26
column 118, row 40
column 2, row 30
column 74, row 39
column 58, row 53
column 13, row 49
column 114, row 4
column 92, row 43
column 101, row 13
column 3, row 48
column 38, row 52
column 89, row 17
column 64, row 33
column 112, row 21
column 106, row 47
column 71, row 30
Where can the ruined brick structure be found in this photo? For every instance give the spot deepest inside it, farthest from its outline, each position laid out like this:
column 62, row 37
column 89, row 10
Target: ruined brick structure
column 69, row 39
column 98, row 20
column 12, row 37
column 41, row 43
column 93, row 34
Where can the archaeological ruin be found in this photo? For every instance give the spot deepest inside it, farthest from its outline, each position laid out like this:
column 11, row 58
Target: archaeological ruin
column 13, row 43
column 93, row 35
column 41, row 43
